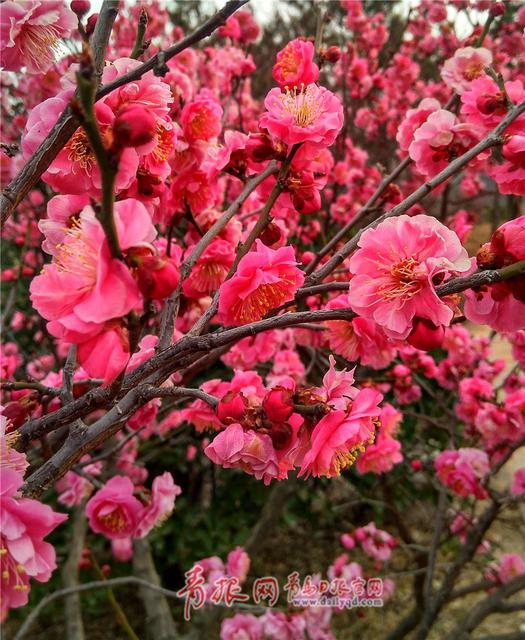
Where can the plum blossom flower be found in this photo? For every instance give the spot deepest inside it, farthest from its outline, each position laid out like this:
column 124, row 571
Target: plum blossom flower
column 163, row 494
column 509, row 567
column 395, row 270
column 201, row 119
column 463, row 470
column 376, row 543
column 23, row 552
column 360, row 339
column 518, row 483
column 75, row 169
column 440, row 139
column 500, row 305
column 295, row 65
column 30, row 33
column 242, row 625
column 484, row 104
column 467, row 64
column 265, row 279
column 247, row 450
column 113, row 510
column 414, row 118
column 84, row 287
column 313, row 114
column 340, row 436
column 510, row 174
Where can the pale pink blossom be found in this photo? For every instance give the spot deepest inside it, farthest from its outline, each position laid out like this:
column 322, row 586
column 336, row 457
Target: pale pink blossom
column 441, row 139
column 395, row 269
column 518, row 483
column 162, row 502
column 31, row 31
column 467, row 64
column 23, row 552
column 247, row 450
column 376, row 543
column 238, row 564
column 242, row 626
column 414, row 118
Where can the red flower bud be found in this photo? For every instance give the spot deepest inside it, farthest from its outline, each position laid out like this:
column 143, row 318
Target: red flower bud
column 332, row 54
column 497, row 9
column 492, row 104
column 231, row 408
column 416, row 464
column 425, row 335
column 91, row 23
column 278, row 404
column 157, row 277
column 80, row 7
column 134, row 127
column 271, row 234
column 259, row 147
column 281, row 435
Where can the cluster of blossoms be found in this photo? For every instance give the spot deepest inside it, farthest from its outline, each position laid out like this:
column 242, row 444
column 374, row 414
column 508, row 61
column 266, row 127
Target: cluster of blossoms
column 228, row 204
column 24, row 554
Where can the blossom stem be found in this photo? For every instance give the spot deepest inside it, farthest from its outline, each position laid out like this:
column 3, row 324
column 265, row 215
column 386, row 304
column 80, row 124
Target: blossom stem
column 140, row 46
column 261, row 224
column 107, row 161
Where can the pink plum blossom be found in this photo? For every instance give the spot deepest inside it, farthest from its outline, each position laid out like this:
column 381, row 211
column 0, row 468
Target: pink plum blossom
column 467, row 64
column 313, row 114
column 295, row 65
column 395, row 269
column 265, row 279
column 30, row 33
column 23, row 552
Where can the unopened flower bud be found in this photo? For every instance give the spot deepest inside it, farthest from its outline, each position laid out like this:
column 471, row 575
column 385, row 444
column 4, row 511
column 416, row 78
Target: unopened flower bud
column 426, row 335
column 80, row 7
column 259, row 147
column 278, row 404
column 134, row 127
column 91, row 23
column 231, row 407
column 497, row 9
column 281, row 435
column 332, row 54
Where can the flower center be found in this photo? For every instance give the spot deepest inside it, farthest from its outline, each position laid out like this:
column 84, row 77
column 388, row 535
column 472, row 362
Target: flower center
column 303, row 106
column 288, row 64
column 75, row 255
column 114, row 521
column 403, row 281
column 41, row 42
column 473, row 71
column 80, row 150
column 165, row 145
